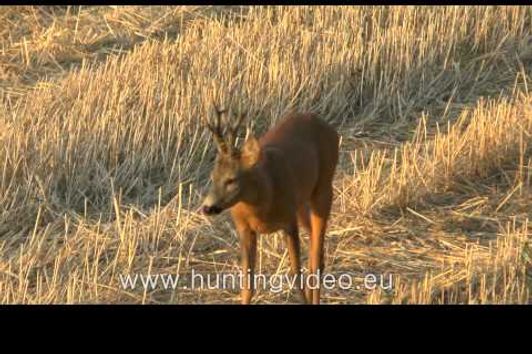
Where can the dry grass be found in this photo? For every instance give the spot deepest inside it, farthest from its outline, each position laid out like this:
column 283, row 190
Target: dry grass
column 104, row 158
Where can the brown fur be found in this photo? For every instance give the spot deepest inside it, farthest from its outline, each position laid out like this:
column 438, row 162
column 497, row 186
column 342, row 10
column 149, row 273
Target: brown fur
column 282, row 180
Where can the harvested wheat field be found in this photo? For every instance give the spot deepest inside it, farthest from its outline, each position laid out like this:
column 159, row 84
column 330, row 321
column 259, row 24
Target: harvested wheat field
column 105, row 158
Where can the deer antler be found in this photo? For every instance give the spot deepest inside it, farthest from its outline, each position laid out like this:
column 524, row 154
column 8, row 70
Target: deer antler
column 234, row 129
column 216, row 130
column 224, row 145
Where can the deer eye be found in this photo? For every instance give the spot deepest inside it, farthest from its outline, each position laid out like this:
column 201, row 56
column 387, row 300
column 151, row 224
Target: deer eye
column 230, row 181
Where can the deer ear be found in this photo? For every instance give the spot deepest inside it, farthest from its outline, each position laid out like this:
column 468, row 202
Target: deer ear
column 250, row 152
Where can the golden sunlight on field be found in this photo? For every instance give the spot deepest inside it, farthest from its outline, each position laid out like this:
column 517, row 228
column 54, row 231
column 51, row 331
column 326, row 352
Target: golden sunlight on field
column 105, row 157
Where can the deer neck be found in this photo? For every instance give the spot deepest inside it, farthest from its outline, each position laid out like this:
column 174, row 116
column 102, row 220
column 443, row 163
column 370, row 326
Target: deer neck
column 259, row 200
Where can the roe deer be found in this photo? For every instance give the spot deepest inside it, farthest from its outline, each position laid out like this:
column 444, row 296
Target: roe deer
column 275, row 183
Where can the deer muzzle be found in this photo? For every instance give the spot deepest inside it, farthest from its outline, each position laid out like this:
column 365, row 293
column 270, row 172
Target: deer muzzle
column 211, row 209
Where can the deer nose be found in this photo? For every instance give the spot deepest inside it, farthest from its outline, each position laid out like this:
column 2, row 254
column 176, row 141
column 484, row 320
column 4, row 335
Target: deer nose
column 211, row 209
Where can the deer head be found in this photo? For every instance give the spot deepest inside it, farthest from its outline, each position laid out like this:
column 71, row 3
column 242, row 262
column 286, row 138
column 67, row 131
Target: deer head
column 233, row 168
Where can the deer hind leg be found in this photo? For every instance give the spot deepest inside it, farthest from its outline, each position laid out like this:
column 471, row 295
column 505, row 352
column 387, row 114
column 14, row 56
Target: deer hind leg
column 320, row 209
column 292, row 241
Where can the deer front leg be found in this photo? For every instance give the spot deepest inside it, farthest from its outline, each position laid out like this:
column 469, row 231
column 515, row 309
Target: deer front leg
column 248, row 249
column 292, row 241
